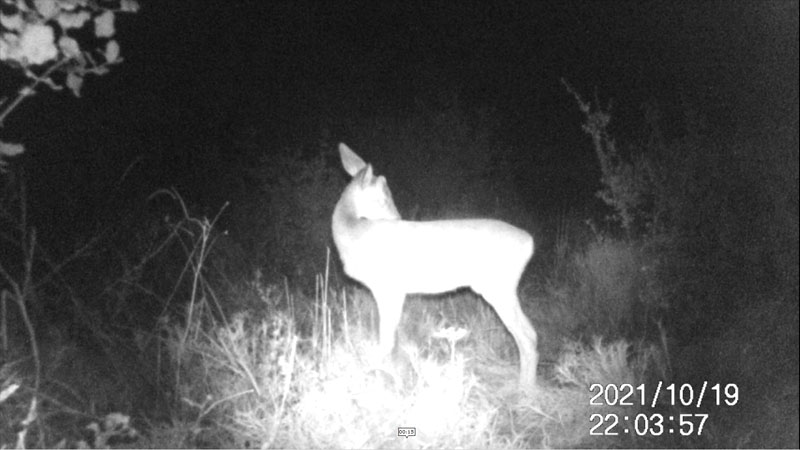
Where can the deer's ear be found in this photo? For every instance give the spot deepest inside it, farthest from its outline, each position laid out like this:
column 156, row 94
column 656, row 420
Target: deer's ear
column 351, row 162
column 368, row 175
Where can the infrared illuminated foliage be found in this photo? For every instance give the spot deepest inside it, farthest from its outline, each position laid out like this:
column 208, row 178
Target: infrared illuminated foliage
column 39, row 38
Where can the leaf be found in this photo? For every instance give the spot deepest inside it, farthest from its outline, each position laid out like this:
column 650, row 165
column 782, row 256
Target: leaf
column 74, row 83
column 69, row 47
column 10, row 149
column 100, row 70
column 131, row 6
column 67, row 20
column 47, row 8
column 12, row 23
column 37, row 44
column 112, row 51
column 9, row 42
column 104, row 25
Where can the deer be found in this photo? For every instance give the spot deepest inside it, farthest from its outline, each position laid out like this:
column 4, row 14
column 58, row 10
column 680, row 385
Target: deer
column 393, row 257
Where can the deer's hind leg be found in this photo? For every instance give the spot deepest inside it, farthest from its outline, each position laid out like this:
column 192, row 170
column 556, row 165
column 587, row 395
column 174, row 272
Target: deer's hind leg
column 506, row 303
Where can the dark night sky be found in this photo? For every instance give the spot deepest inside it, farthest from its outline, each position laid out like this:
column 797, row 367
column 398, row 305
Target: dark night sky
column 199, row 74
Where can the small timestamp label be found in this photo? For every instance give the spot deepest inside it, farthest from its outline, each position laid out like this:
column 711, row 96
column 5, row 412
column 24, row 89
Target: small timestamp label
column 406, row 431
column 662, row 395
